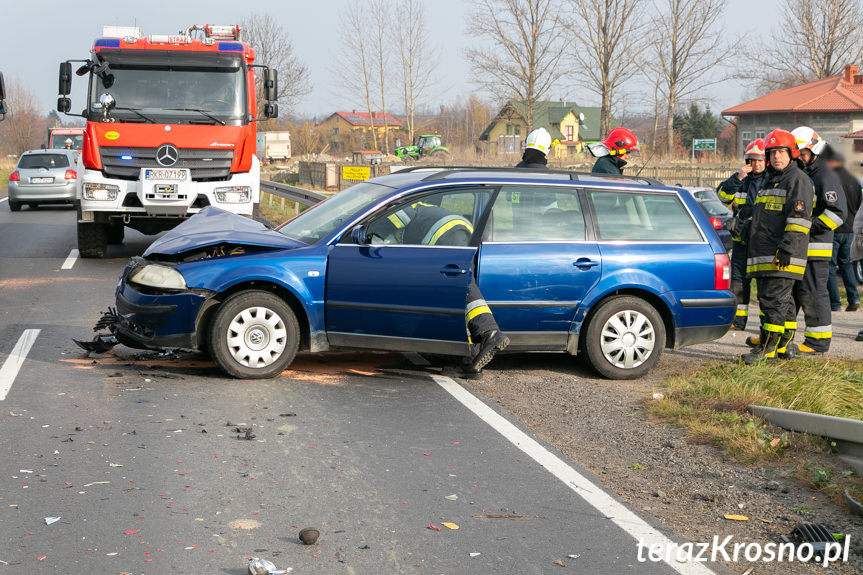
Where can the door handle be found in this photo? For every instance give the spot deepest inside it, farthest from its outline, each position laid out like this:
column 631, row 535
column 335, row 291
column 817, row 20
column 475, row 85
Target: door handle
column 585, row 263
column 453, row 270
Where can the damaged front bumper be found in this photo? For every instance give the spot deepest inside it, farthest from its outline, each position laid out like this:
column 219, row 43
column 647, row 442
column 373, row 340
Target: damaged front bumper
column 157, row 320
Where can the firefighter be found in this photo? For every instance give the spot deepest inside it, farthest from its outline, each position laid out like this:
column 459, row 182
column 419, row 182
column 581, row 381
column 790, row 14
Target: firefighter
column 536, row 147
column 843, row 236
column 423, row 223
column 740, row 190
column 68, row 143
column 811, row 293
column 618, row 144
column 778, row 240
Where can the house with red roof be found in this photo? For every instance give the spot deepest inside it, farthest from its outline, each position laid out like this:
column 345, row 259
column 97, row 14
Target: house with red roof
column 346, row 131
column 833, row 107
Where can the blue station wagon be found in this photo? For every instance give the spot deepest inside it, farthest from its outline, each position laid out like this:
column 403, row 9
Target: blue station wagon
column 614, row 268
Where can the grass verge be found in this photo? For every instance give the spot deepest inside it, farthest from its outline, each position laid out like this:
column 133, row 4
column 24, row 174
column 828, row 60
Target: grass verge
column 711, row 404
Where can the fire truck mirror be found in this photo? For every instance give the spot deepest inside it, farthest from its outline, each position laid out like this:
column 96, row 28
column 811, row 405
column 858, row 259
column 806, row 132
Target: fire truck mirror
column 65, row 78
column 271, row 110
column 271, row 85
column 64, row 105
column 2, row 88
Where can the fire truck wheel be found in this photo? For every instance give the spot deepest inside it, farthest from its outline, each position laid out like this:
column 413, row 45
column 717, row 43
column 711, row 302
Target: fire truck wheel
column 254, row 335
column 92, row 240
column 116, row 232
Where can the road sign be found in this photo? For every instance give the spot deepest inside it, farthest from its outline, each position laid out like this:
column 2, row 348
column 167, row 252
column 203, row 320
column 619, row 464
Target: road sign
column 705, row 145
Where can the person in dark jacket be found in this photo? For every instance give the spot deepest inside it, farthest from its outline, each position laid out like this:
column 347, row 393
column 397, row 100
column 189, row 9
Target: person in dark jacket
column 740, row 191
column 843, row 236
column 781, row 219
column 424, row 223
column 536, row 148
column 612, row 152
column 811, row 293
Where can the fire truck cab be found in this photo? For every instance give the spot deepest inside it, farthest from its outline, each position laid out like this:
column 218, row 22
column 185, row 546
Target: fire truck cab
column 170, row 129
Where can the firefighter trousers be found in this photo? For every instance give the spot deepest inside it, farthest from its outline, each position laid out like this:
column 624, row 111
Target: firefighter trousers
column 740, row 285
column 811, row 294
column 776, row 300
column 478, row 315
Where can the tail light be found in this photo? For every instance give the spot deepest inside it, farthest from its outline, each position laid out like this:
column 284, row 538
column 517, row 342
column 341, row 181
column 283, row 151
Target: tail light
column 15, row 176
column 721, row 271
column 716, row 223
column 71, row 175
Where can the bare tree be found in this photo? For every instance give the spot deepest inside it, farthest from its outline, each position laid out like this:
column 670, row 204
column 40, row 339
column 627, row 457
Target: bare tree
column 609, row 35
column 686, row 49
column 274, row 48
column 305, row 138
column 25, row 127
column 381, row 53
column 816, row 40
column 417, row 63
column 526, row 40
column 355, row 71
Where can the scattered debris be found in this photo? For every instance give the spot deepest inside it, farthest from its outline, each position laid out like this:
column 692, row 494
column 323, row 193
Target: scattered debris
column 95, row 482
column 574, row 555
column 433, row 527
column 263, row 567
column 736, row 517
column 247, row 431
column 449, row 525
column 452, row 497
column 309, row 535
column 559, row 562
column 50, row 520
column 365, row 546
column 289, row 414
column 749, row 571
column 130, row 532
column 658, row 396
column 99, row 344
column 498, row 516
column 474, row 554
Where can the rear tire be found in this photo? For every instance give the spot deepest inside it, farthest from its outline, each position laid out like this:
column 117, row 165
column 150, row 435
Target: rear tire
column 624, row 338
column 14, row 206
column 858, row 271
column 254, row 335
column 116, row 232
column 92, row 240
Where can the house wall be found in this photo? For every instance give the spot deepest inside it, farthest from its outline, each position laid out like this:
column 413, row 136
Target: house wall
column 507, row 128
column 830, row 126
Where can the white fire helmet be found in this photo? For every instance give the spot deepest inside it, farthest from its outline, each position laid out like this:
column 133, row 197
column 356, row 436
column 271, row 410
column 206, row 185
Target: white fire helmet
column 540, row 140
column 808, row 139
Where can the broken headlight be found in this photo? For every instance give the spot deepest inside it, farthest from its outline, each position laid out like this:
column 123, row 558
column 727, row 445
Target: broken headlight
column 156, row 276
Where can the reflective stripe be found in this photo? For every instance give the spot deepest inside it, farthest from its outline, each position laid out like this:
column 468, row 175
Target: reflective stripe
column 477, row 311
column 726, row 195
column 799, row 270
column 820, row 253
column 759, row 260
column 790, row 325
column 774, row 328
column 830, row 219
column 395, row 221
column 772, row 193
column 442, row 226
column 740, row 201
column 742, row 307
column 802, row 222
column 742, row 313
column 824, row 332
column 796, row 228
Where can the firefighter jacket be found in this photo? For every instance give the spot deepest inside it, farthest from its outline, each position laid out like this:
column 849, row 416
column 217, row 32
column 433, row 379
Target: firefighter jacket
column 424, row 224
column 781, row 219
column 853, row 198
column 829, row 210
column 740, row 194
column 608, row 165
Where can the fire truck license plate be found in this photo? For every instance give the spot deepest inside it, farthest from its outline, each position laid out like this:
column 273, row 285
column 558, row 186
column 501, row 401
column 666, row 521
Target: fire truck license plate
column 165, row 174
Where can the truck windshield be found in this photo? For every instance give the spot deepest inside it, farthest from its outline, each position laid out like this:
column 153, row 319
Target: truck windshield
column 59, row 140
column 172, row 94
column 322, row 219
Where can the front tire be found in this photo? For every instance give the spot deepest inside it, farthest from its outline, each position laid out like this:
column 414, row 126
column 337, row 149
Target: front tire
column 624, row 338
column 92, row 240
column 254, row 335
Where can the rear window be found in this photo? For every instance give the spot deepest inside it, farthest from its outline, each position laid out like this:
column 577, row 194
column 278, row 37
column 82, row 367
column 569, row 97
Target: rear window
column 642, row 217
column 35, row 161
column 715, row 208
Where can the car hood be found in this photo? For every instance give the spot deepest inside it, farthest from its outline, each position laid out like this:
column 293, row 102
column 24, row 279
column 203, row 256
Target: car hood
column 212, row 226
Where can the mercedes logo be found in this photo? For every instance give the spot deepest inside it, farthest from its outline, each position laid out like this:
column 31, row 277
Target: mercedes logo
column 167, row 155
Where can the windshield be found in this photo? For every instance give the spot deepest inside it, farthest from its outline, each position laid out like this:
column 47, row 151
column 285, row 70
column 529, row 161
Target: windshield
column 171, row 93
column 320, row 220
column 59, row 140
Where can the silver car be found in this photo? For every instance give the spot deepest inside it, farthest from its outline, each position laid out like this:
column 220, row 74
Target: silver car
column 43, row 177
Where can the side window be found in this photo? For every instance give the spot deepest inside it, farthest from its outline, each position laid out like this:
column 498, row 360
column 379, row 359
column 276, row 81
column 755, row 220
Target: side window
column 440, row 219
column 533, row 213
column 645, row 217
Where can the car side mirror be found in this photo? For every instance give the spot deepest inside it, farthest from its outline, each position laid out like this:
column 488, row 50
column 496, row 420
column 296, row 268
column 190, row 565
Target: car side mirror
column 358, row 235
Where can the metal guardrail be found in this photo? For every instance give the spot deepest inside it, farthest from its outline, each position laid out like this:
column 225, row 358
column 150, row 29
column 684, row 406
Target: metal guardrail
column 293, row 193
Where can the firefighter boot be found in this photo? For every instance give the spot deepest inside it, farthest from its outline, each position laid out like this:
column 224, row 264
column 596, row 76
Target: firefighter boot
column 755, row 340
column 766, row 352
column 786, row 348
column 490, row 343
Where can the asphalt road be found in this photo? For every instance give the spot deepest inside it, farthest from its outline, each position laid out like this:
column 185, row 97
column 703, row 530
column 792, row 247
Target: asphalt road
column 157, row 464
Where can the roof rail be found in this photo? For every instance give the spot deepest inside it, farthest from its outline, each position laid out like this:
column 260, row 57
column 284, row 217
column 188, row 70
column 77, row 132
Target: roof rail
column 442, row 172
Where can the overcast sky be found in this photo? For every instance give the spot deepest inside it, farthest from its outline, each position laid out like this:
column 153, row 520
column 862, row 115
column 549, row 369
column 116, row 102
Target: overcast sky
column 37, row 36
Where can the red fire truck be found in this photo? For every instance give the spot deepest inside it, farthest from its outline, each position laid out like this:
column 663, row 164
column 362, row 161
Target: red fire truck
column 170, row 130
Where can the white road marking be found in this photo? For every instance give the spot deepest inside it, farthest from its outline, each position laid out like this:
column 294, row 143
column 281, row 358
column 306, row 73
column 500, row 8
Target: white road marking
column 70, row 261
column 591, row 493
column 15, row 360
column 2, row 200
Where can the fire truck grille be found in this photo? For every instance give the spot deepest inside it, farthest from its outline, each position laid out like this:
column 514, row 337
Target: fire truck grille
column 205, row 164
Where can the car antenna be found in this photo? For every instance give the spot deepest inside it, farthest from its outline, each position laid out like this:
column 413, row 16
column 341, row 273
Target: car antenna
column 645, row 163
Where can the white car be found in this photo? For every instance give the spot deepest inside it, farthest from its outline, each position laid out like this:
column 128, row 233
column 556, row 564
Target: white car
column 43, row 177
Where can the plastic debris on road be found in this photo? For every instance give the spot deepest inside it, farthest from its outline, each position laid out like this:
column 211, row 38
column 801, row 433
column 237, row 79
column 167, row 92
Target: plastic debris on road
column 433, row 527
column 50, row 520
column 259, row 566
column 449, row 525
column 452, row 497
column 737, row 517
column 309, row 535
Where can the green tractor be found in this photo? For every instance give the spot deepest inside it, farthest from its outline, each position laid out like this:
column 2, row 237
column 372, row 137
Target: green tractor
column 427, row 145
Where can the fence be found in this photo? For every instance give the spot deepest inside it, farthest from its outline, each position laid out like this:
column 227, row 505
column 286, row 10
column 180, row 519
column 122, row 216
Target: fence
column 336, row 177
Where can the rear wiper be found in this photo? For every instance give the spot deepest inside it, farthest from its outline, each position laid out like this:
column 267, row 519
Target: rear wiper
column 204, row 112
column 135, row 111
